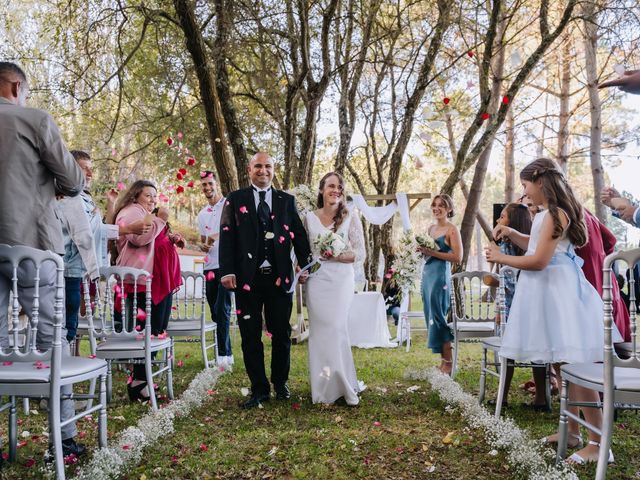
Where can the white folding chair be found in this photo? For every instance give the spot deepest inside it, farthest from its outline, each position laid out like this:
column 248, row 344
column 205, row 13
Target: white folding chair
column 188, row 317
column 473, row 312
column 120, row 342
column 38, row 368
column 507, row 274
column 618, row 379
column 404, row 329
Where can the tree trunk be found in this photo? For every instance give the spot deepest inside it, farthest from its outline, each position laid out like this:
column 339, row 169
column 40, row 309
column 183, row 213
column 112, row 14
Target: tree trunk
column 224, row 12
column 565, row 92
column 225, row 165
column 591, row 67
column 509, row 159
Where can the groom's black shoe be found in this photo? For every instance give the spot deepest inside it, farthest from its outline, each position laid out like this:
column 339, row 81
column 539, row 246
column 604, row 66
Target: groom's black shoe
column 282, row 392
column 256, row 400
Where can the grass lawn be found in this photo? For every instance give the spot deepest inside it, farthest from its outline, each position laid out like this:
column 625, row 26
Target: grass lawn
column 393, row 433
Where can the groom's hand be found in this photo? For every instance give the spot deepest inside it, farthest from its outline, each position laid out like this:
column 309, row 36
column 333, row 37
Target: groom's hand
column 228, row 282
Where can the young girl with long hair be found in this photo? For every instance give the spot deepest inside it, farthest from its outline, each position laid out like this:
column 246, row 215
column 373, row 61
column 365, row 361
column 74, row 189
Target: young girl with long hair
column 556, row 315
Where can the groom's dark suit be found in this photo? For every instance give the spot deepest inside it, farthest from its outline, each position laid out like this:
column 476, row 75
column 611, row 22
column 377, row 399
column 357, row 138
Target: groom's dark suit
column 246, row 241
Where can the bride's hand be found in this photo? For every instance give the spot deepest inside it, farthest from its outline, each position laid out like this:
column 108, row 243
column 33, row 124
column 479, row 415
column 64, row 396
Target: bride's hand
column 346, row 257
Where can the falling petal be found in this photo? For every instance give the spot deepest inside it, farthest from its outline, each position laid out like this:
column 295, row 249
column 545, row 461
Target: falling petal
column 281, row 239
column 120, row 186
column 180, row 364
column 225, row 229
column 247, row 317
column 291, row 235
column 243, row 209
column 286, row 227
column 246, row 287
column 210, row 276
column 142, row 315
column 268, row 334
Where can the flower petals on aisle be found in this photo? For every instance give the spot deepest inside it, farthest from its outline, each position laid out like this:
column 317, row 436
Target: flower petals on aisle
column 126, row 451
column 524, row 454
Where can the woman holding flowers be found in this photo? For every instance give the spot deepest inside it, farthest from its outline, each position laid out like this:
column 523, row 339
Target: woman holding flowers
column 337, row 241
column 436, row 277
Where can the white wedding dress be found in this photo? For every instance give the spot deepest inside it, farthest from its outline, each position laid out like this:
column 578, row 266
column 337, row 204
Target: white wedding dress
column 329, row 294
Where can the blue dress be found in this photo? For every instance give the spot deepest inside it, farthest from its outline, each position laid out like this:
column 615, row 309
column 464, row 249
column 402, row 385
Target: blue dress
column 436, row 287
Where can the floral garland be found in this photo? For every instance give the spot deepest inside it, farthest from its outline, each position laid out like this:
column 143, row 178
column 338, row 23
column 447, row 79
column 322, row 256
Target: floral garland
column 112, row 461
column 306, row 199
column 527, row 456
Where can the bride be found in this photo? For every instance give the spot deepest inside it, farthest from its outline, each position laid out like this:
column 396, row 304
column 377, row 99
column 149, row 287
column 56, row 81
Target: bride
column 330, row 292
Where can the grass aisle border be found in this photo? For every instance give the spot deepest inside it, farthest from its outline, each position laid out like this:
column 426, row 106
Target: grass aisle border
column 525, row 455
column 126, row 451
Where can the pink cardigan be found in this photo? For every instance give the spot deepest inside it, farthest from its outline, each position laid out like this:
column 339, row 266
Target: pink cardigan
column 137, row 250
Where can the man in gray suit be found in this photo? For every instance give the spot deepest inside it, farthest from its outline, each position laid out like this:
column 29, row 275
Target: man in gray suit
column 34, row 167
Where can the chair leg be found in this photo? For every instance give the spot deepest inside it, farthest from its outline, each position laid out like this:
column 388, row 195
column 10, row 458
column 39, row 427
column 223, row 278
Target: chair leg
column 563, row 426
column 483, row 375
column 203, row 348
column 13, row 430
column 148, row 369
column 169, row 354
column 454, row 367
column 55, row 433
column 25, row 406
column 501, row 386
column 109, row 381
column 102, row 418
column 605, row 438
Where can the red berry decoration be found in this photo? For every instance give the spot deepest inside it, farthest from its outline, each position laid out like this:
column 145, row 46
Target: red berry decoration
column 183, row 171
column 179, row 176
column 169, row 141
column 470, row 53
column 505, row 100
column 446, row 100
column 179, row 189
column 190, row 184
column 485, row 116
column 191, row 161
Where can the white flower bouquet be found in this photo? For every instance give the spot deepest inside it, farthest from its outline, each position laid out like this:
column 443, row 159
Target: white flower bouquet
column 306, row 199
column 330, row 245
column 427, row 242
column 406, row 269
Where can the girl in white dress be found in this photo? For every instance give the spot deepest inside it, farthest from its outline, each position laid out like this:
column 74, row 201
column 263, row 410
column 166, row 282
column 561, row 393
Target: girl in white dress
column 556, row 315
column 329, row 295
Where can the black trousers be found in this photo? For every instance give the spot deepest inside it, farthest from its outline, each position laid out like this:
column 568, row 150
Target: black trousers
column 276, row 304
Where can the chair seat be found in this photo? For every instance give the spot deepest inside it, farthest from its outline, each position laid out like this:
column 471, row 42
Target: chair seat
column 414, row 314
column 181, row 327
column 117, row 345
column 627, row 379
column 481, row 327
column 492, row 343
column 26, row 372
column 625, row 349
column 83, row 325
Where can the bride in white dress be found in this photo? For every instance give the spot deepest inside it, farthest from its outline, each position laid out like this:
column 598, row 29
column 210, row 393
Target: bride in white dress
column 329, row 294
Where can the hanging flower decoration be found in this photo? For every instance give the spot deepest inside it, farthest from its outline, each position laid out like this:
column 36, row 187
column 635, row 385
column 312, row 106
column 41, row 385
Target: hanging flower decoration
column 305, row 199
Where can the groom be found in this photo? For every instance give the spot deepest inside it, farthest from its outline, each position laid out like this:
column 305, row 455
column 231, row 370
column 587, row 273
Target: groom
column 259, row 226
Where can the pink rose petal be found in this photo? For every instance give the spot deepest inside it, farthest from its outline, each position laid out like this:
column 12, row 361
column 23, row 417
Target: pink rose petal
column 180, row 364
column 203, row 448
column 292, row 235
column 142, row 315
column 210, row 276
column 281, row 239
column 246, row 287
column 243, row 209
column 286, row 227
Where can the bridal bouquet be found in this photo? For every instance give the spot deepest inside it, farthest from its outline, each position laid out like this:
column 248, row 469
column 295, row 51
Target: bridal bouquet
column 406, row 269
column 330, row 245
column 305, row 199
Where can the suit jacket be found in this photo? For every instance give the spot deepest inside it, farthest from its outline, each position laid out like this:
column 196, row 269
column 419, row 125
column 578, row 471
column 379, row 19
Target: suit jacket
column 239, row 232
column 34, row 165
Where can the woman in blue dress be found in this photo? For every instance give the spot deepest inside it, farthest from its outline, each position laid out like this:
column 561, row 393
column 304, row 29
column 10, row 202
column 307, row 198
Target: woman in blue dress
column 436, row 278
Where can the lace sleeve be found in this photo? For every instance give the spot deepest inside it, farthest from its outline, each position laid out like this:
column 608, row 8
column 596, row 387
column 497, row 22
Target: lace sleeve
column 356, row 237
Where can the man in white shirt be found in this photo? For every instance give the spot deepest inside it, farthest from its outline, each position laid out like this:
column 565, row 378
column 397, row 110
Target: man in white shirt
column 218, row 297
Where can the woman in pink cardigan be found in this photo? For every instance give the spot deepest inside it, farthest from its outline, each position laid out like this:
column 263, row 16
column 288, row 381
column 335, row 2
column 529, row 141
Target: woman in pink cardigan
column 154, row 252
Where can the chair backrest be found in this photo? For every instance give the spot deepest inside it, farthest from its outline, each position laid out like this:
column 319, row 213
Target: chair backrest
column 37, row 283
column 631, row 258
column 190, row 301
column 471, row 299
column 508, row 276
column 115, row 309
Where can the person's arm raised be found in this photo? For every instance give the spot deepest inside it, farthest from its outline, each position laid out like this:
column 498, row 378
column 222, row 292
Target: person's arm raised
column 542, row 256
